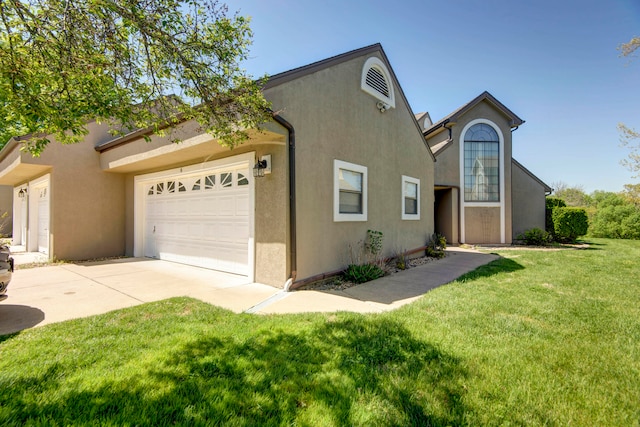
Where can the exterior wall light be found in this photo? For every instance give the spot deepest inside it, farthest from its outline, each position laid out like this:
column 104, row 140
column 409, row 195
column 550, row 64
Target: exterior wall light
column 258, row 169
column 22, row 193
column 262, row 167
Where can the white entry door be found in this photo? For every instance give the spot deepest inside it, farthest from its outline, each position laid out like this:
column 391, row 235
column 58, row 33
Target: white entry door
column 201, row 219
column 43, row 219
column 24, row 203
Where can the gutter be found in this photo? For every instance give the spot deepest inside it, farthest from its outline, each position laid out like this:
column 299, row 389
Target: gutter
column 292, row 200
column 432, row 129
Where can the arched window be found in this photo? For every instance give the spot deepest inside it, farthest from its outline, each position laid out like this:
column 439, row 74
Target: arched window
column 376, row 81
column 481, row 164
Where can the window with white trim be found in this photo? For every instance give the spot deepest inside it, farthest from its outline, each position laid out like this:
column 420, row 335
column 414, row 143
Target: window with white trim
column 481, row 164
column 410, row 198
column 376, row 81
column 349, row 191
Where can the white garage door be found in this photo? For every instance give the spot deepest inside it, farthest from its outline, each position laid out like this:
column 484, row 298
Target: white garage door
column 201, row 219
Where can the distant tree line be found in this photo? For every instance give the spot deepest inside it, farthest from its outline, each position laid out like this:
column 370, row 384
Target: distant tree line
column 612, row 215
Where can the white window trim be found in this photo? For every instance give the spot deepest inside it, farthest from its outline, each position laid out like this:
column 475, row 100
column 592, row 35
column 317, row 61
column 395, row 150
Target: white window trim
column 344, row 217
column 375, row 62
column 503, row 196
column 406, row 216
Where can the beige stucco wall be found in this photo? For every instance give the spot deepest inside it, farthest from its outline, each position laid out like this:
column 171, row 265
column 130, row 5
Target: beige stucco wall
column 477, row 229
column 6, row 210
column 482, row 225
column 86, row 205
column 528, row 202
column 334, row 119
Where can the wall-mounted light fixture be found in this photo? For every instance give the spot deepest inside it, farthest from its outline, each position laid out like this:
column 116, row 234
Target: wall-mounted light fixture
column 262, row 167
column 22, row 193
column 382, row 106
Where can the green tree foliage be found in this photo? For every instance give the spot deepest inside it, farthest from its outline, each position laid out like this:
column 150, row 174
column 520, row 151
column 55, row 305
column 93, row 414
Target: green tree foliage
column 137, row 63
column 569, row 223
column 611, row 215
column 616, row 217
column 632, row 194
column 572, row 195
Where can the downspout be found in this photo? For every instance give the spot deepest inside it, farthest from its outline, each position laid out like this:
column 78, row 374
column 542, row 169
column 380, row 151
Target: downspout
column 292, row 199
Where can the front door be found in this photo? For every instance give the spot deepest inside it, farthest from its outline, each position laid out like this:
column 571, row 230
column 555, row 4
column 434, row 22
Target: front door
column 43, row 219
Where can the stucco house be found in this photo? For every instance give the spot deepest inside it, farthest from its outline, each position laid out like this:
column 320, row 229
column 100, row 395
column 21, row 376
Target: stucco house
column 344, row 154
column 482, row 194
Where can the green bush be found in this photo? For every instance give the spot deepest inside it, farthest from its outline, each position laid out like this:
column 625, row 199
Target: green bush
column 551, row 203
column 360, row 273
column 535, row 237
column 436, row 245
column 569, row 223
column 616, row 222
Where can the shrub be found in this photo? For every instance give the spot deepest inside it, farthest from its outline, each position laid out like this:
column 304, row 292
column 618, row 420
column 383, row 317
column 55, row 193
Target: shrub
column 550, row 204
column 360, row 273
column 436, row 245
column 535, row 237
column 569, row 223
column 373, row 245
column 401, row 260
column 366, row 259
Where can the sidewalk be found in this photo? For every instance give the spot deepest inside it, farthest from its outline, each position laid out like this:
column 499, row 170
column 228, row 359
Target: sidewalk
column 386, row 293
column 59, row 292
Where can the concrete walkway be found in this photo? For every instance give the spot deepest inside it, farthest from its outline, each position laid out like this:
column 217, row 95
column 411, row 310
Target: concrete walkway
column 386, row 293
column 42, row 295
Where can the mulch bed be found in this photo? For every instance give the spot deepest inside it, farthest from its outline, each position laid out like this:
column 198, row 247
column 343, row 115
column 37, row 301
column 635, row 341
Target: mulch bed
column 337, row 283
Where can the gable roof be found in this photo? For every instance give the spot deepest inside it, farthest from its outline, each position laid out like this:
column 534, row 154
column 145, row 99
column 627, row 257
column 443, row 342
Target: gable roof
column 296, row 73
column 514, row 120
column 547, row 189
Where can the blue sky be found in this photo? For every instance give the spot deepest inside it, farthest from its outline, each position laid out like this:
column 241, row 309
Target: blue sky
column 552, row 62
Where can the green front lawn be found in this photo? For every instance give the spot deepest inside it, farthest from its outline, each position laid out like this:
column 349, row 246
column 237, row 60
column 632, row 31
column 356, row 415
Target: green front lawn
column 535, row 338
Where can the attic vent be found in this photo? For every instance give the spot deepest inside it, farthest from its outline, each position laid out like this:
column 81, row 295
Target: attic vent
column 376, row 81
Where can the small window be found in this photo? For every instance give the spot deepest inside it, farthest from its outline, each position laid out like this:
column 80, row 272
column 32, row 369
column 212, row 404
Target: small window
column 150, row 192
column 410, row 198
column 196, row 185
column 160, row 188
column 376, row 81
column 242, row 180
column 171, row 186
column 226, row 179
column 181, row 187
column 209, row 182
column 350, row 192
